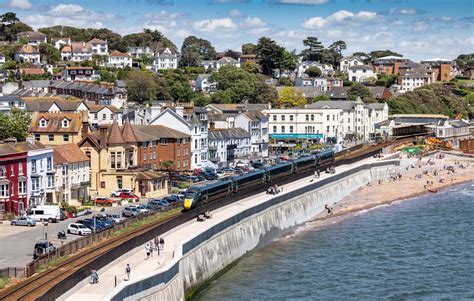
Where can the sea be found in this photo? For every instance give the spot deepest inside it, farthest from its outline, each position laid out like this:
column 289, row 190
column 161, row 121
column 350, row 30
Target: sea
column 417, row 249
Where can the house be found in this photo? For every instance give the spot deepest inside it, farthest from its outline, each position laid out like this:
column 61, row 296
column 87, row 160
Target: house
column 72, row 175
column 72, row 73
column 80, row 52
column 166, row 60
column 137, row 114
column 226, row 61
column 325, row 69
column 203, row 83
column 349, row 62
column 32, row 38
column 102, row 94
column 66, row 53
column 58, row 43
column 192, row 121
column 27, row 54
column 118, row 59
column 443, row 69
column 309, row 92
column 8, row 102
column 58, row 127
column 244, row 58
column 31, row 71
column 469, row 72
column 100, row 114
column 208, row 64
column 9, row 88
column 226, row 145
column 221, row 121
column 140, row 51
column 452, row 131
column 413, row 79
column 256, row 124
column 306, row 81
column 361, row 74
column 235, row 108
column 389, row 65
column 334, row 82
column 98, row 47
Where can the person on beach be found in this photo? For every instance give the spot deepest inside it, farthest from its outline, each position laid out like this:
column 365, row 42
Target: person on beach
column 127, row 271
column 328, row 209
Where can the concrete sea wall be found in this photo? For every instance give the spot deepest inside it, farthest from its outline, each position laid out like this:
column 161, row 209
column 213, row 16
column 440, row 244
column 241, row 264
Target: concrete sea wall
column 200, row 258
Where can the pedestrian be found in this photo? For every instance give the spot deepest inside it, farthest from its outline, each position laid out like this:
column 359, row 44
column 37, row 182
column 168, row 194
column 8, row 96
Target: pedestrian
column 327, row 208
column 127, row 271
column 147, row 250
column 162, row 243
column 157, row 242
column 151, row 248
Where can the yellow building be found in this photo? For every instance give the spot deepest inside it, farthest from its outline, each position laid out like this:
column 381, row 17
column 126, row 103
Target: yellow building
column 59, row 128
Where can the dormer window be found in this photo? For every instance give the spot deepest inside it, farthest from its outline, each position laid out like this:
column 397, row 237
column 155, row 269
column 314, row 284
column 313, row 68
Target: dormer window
column 43, row 123
column 65, row 123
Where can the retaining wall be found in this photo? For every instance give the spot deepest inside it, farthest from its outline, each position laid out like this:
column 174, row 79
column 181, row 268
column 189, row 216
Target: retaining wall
column 204, row 255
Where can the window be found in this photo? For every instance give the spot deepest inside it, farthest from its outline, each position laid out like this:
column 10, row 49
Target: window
column 307, row 117
column 327, row 129
column 119, row 160
column 274, row 117
column 43, row 123
column 144, row 155
column 291, row 129
column 20, row 168
column 66, row 138
column 164, row 141
column 282, row 117
column 333, row 117
column 312, row 117
column 3, row 171
column 34, row 184
column 33, row 166
column 274, row 128
column 22, row 187
column 96, row 116
column 50, row 137
column 282, row 128
column 291, row 117
column 37, row 137
column 88, row 154
column 178, row 152
column 327, row 117
column 65, row 123
column 119, row 182
column 111, row 116
column 49, row 163
column 112, row 160
column 50, row 181
column 104, row 116
column 4, row 190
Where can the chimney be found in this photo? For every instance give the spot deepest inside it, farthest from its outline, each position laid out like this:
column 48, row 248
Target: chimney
column 212, row 125
column 85, row 124
column 155, row 110
column 103, row 129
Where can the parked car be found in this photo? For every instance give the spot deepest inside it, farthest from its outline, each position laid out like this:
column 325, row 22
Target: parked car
column 116, row 218
column 117, row 192
column 141, row 208
column 50, row 213
column 157, row 204
column 79, row 229
column 174, row 198
column 43, row 247
column 209, row 175
column 105, row 220
column 83, row 213
column 220, row 173
column 104, row 201
column 130, row 211
column 23, row 221
column 128, row 195
column 89, row 223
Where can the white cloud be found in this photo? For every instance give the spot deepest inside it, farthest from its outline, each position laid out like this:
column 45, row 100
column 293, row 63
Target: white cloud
column 403, row 11
column 20, row 4
column 315, row 22
column 469, row 40
column 340, row 16
column 300, row 2
column 420, row 26
column 253, row 22
column 366, row 16
column 215, row 25
column 235, row 13
column 66, row 9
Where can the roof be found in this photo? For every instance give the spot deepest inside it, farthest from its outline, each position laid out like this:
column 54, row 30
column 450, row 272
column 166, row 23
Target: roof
column 308, row 92
column 80, row 47
column 20, row 147
column 237, row 107
column 227, row 60
column 32, row 71
column 27, row 49
column 232, row 133
column 332, row 104
column 115, row 135
column 360, row 67
column 255, row 115
column 54, row 124
column 42, row 104
column 458, row 123
column 94, row 108
column 127, row 132
column 375, row 105
column 36, row 83
column 97, row 41
column 119, row 54
column 79, row 68
column 59, row 39
column 31, row 35
column 150, row 175
column 68, row 153
column 153, row 132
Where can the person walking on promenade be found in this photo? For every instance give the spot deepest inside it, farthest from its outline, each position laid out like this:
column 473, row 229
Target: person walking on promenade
column 147, row 250
column 162, row 243
column 127, row 271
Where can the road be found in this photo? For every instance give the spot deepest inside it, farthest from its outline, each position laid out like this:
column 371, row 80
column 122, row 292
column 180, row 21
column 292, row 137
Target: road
column 17, row 242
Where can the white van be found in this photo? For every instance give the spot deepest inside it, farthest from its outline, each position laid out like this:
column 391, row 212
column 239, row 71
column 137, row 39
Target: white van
column 48, row 213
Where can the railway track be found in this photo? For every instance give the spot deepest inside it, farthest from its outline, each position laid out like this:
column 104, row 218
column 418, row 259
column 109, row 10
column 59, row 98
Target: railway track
column 72, row 270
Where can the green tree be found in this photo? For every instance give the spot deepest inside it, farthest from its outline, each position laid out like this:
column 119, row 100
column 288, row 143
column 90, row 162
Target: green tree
column 107, row 76
column 167, row 164
column 381, row 53
column 251, row 67
column 289, row 61
column 194, row 50
column 9, row 18
column 150, row 38
column 321, row 97
column 249, row 48
column 313, row 52
column 49, row 53
column 14, row 125
column 140, row 86
column 269, row 55
column 313, row 71
column 359, row 90
column 284, row 81
column 289, row 97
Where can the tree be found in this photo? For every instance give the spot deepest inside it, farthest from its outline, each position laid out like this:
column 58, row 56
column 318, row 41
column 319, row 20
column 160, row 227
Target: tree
column 269, row 55
column 49, row 53
column 167, row 164
column 381, row 53
column 359, row 90
column 194, row 50
column 150, row 38
column 9, row 18
column 231, row 53
column 338, row 46
column 140, row 86
column 107, row 76
column 313, row 71
column 249, row 48
column 14, row 125
column 251, row 67
column 284, row 81
column 321, row 97
column 289, row 97
column 312, row 53
column 289, row 60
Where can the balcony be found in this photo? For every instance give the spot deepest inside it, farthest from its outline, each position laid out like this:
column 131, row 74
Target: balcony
column 212, row 148
column 260, row 141
column 85, row 184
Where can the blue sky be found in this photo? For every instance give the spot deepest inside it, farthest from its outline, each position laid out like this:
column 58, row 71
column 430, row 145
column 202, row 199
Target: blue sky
column 419, row 29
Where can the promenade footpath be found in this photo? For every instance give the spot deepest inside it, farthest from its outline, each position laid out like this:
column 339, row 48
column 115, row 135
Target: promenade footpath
column 142, row 267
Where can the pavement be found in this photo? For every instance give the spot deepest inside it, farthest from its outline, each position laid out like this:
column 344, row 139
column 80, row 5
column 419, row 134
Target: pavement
column 17, row 242
column 142, row 267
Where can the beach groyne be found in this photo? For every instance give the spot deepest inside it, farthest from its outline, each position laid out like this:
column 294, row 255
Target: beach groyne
column 207, row 253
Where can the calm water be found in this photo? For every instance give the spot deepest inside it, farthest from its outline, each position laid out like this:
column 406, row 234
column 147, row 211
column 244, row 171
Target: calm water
column 421, row 249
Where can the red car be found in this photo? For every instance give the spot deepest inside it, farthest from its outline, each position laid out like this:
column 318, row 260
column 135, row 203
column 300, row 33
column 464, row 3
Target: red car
column 128, row 195
column 104, row 201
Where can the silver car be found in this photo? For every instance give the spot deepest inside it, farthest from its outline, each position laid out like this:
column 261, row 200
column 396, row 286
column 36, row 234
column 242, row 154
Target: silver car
column 23, row 221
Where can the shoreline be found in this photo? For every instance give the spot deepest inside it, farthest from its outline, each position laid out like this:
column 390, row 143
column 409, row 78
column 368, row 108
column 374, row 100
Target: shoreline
column 410, row 185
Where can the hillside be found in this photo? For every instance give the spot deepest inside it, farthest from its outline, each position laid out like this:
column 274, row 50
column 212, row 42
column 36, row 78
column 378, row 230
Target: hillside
column 449, row 99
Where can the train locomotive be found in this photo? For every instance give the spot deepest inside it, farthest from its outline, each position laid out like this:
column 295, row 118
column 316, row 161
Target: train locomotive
column 210, row 191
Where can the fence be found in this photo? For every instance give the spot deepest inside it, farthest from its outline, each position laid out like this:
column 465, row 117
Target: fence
column 16, row 272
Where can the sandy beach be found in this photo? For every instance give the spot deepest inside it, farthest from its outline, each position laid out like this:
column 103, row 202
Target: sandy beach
column 416, row 177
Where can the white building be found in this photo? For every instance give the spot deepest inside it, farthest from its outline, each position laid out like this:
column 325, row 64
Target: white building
column 325, row 69
column 98, row 46
column 226, row 61
column 80, row 52
column 27, row 54
column 194, row 123
column 203, row 83
column 349, row 62
column 40, row 171
column 306, row 81
column 33, row 38
column 256, row 124
column 452, row 131
column 58, row 43
column 166, row 60
column 361, row 73
column 228, row 144
column 118, row 59
column 8, row 102
column 72, row 174
column 140, row 51
column 413, row 79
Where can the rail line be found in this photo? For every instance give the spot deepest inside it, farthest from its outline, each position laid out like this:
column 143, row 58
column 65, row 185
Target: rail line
column 44, row 286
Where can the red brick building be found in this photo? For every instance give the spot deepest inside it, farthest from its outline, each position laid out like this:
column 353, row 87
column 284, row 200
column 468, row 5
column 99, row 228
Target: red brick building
column 13, row 178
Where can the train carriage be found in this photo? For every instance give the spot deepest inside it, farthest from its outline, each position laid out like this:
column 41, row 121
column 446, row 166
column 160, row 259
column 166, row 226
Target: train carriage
column 278, row 171
column 198, row 195
column 305, row 163
column 244, row 181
